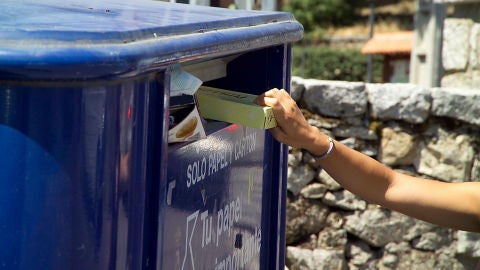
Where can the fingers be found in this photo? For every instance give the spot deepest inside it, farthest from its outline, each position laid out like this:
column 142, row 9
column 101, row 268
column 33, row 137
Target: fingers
column 275, row 92
column 292, row 127
column 260, row 100
column 271, row 97
column 278, row 134
column 270, row 101
column 280, row 101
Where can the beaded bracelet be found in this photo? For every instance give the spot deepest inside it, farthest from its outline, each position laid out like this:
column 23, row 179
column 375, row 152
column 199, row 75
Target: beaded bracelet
column 324, row 155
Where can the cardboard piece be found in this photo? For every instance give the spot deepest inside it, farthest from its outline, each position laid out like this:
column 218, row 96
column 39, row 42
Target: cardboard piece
column 185, row 123
column 234, row 107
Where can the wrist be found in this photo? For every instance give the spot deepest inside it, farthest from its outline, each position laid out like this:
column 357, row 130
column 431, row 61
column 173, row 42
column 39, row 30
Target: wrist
column 321, row 145
column 331, row 147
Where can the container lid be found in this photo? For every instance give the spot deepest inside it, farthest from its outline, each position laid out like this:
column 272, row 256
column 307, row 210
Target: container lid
column 81, row 40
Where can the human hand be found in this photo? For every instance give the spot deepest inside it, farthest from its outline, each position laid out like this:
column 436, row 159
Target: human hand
column 292, row 127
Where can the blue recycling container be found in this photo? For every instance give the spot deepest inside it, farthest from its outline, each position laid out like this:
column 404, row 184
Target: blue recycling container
column 88, row 179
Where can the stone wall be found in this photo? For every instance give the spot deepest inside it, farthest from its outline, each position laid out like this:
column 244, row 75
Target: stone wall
column 461, row 52
column 431, row 133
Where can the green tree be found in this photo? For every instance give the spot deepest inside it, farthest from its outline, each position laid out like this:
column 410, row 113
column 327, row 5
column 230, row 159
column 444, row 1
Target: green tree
column 314, row 14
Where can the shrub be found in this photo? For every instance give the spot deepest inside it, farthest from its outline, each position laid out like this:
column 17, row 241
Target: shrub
column 328, row 63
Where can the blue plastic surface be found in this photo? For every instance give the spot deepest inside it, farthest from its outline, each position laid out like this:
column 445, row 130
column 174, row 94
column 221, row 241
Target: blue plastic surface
column 73, row 175
column 218, row 203
column 85, row 166
column 97, row 39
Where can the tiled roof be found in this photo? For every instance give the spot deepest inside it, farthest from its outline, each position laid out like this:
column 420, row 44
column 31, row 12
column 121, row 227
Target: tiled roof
column 389, row 43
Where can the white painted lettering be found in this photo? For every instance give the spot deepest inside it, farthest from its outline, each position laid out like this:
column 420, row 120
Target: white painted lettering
column 240, row 258
column 188, row 239
column 245, row 145
column 196, row 172
column 227, row 216
column 207, row 228
column 218, row 160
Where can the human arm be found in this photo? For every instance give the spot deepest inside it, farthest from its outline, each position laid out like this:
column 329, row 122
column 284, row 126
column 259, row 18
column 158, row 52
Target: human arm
column 455, row 205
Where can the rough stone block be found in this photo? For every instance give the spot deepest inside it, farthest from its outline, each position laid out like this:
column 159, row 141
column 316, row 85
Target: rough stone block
column 298, row 177
column 456, row 38
column 318, row 259
column 475, row 47
column 468, row 243
column 378, row 226
column 297, row 87
column 462, row 104
column 446, row 156
column 397, row 147
column 407, row 102
column 304, row 217
column 458, row 80
column 335, row 98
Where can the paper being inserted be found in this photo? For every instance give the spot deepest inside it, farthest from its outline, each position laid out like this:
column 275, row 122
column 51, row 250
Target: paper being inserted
column 185, row 123
column 234, row 107
column 182, row 82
